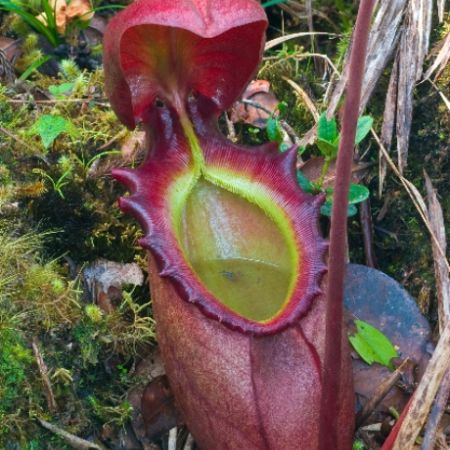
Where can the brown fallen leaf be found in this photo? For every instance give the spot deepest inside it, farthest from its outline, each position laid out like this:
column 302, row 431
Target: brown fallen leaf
column 313, row 167
column 79, row 9
column 64, row 13
column 158, row 408
column 258, row 91
column 104, row 279
column 59, row 7
column 148, row 371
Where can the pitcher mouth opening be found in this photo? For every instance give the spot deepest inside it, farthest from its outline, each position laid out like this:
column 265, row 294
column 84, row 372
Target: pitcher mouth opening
column 237, row 250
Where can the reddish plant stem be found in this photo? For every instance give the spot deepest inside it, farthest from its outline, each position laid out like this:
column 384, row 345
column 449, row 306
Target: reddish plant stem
column 338, row 233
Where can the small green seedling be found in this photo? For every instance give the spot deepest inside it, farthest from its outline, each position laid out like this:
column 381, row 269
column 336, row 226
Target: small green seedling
column 274, row 129
column 60, row 90
column 49, row 127
column 327, row 142
column 372, row 345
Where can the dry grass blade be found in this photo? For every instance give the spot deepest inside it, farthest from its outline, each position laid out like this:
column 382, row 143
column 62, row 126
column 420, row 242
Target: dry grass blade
column 305, row 97
column 425, row 393
column 436, row 219
column 289, row 37
column 413, row 48
column 441, row 59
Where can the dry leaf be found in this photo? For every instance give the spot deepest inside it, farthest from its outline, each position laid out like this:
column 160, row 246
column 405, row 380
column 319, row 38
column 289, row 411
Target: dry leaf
column 59, row 7
column 79, row 9
column 76, row 9
column 313, row 167
column 104, row 280
column 258, row 91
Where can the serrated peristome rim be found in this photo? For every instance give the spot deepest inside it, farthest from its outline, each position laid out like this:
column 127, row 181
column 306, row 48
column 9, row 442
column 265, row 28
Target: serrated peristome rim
column 274, row 172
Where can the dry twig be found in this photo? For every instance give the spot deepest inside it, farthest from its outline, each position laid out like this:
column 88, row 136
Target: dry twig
column 71, row 439
column 380, row 393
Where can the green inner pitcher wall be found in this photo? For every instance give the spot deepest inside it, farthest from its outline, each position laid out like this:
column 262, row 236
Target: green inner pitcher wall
column 236, row 250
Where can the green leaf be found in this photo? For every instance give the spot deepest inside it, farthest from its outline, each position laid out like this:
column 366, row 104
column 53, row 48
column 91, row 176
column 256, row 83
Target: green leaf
column 372, row 345
column 34, row 66
column 363, row 128
column 51, row 35
column 327, row 207
column 49, row 127
column 273, row 130
column 58, row 90
column 282, row 107
column 327, row 129
column 327, row 149
column 357, row 193
column 304, row 182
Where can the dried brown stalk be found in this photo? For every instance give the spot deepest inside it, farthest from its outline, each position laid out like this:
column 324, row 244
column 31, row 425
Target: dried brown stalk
column 436, row 219
column 437, row 411
column 387, row 129
column 43, row 370
column 425, row 393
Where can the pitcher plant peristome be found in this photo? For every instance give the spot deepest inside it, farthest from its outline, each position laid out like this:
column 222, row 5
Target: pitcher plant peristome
column 236, row 257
